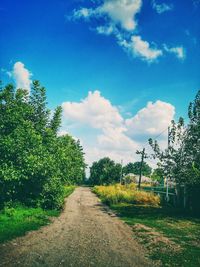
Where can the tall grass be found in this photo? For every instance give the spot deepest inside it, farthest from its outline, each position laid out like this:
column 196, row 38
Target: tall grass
column 114, row 194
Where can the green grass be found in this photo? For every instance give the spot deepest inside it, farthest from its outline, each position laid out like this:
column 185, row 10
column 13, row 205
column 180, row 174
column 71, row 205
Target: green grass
column 17, row 221
column 68, row 189
column 182, row 231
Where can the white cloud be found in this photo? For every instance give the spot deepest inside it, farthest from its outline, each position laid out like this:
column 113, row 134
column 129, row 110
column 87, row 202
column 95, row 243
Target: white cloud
column 118, row 17
column 116, row 138
column 94, row 110
column 118, row 12
column 178, row 51
column 21, row 75
column 141, row 48
column 104, row 132
column 161, row 8
column 94, row 153
column 151, row 120
column 82, row 13
column 106, row 30
column 121, row 12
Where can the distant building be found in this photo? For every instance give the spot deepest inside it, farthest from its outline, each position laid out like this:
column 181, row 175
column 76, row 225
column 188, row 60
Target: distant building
column 133, row 178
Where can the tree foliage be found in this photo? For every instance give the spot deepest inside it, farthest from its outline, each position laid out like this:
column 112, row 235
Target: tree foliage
column 181, row 159
column 192, row 143
column 158, row 175
column 34, row 162
column 105, row 171
column 135, row 168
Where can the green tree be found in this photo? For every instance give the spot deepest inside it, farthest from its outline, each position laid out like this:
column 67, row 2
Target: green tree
column 171, row 159
column 56, row 120
column 135, row 168
column 70, row 160
column 158, row 175
column 181, row 160
column 105, row 171
column 40, row 112
column 35, row 163
column 191, row 148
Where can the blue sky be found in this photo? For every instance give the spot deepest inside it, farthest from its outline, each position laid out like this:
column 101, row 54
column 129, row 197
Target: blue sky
column 126, row 52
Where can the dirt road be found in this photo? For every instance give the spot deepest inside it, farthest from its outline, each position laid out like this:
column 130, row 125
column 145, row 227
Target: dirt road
column 86, row 234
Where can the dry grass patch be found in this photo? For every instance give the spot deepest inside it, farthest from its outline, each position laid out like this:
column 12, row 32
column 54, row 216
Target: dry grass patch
column 154, row 239
column 117, row 193
column 170, row 237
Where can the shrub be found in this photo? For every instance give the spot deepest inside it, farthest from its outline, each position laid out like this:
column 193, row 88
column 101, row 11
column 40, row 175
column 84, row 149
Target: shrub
column 9, row 211
column 68, row 189
column 52, row 196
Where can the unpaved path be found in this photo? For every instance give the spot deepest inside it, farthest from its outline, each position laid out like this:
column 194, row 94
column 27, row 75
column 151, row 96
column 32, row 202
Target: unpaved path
column 86, row 234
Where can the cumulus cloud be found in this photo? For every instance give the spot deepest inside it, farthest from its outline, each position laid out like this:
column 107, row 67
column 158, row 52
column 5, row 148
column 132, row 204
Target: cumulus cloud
column 97, row 112
column 21, row 75
column 116, row 138
column 178, row 51
column 161, row 8
column 151, row 120
column 94, row 110
column 141, row 48
column 94, row 153
column 104, row 131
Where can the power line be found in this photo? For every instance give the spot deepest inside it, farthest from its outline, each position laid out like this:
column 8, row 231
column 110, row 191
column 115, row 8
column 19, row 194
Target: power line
column 166, row 129
column 161, row 133
column 143, row 151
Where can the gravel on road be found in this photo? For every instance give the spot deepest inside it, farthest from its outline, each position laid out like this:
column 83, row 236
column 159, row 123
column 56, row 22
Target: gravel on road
column 86, row 234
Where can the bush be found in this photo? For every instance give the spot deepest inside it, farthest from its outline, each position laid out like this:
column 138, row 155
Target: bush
column 53, row 195
column 68, row 189
column 9, row 211
column 114, row 194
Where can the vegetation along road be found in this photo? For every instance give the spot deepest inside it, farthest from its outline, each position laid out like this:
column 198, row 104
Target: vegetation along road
column 86, row 234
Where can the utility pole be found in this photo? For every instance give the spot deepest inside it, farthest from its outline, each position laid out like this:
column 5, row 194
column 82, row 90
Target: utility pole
column 121, row 171
column 141, row 164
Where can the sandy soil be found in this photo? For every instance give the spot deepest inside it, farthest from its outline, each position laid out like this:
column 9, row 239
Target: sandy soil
column 86, row 234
